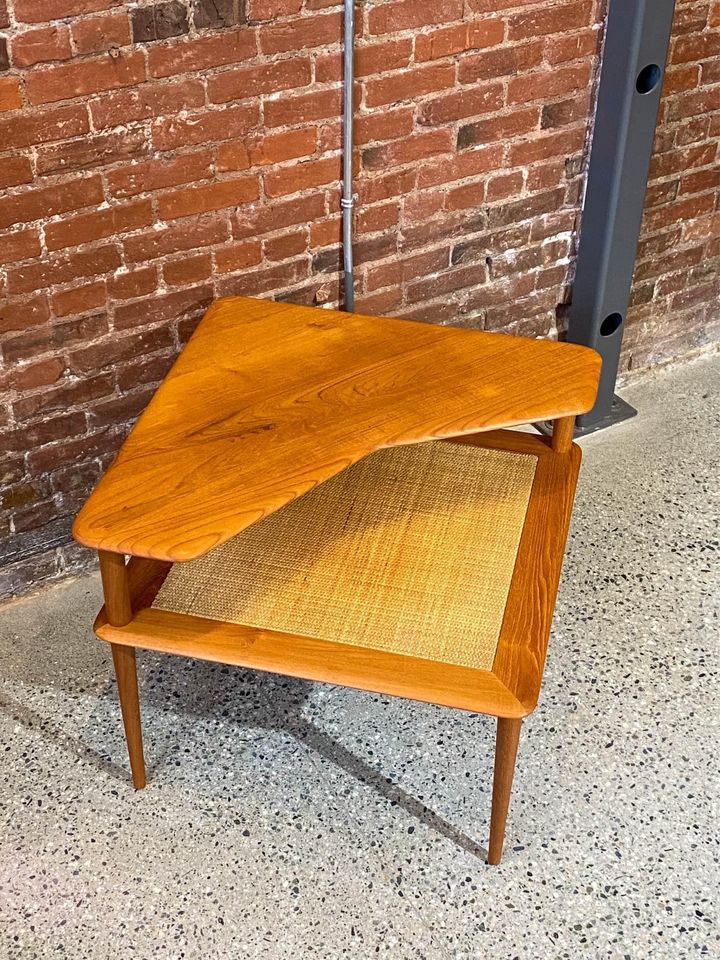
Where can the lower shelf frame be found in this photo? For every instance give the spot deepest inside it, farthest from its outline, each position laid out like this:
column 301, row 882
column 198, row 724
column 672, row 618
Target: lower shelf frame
column 509, row 690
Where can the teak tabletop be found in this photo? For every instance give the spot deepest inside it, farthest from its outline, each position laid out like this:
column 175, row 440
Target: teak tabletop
column 267, row 400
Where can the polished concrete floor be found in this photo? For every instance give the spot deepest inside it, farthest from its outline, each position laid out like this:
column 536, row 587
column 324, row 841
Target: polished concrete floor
column 285, row 819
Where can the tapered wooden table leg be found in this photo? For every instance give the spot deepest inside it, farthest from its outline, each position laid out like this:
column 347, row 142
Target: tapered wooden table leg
column 119, row 612
column 562, row 435
column 506, row 745
column 126, row 673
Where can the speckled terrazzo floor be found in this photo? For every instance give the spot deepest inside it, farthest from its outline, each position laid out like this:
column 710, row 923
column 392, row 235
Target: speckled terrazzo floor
column 290, row 820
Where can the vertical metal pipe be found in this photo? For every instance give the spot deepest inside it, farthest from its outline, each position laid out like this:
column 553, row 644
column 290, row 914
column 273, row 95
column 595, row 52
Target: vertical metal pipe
column 347, row 201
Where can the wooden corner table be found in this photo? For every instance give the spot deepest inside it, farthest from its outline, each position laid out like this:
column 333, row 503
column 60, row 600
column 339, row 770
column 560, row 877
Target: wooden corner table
column 336, row 497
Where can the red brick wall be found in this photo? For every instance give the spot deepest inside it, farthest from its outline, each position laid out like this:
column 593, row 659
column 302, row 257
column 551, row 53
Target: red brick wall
column 159, row 155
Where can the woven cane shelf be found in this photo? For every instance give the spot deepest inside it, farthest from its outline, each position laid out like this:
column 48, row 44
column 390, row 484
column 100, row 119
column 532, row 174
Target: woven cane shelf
column 411, row 551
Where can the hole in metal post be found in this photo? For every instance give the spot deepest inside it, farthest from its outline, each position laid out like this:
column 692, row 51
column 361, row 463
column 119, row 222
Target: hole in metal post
column 610, row 324
column 648, row 78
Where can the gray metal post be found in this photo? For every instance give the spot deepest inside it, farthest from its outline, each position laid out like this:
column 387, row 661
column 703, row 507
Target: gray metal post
column 635, row 52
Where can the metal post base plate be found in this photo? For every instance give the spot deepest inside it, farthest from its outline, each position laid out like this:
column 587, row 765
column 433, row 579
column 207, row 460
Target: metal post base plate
column 619, row 411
